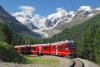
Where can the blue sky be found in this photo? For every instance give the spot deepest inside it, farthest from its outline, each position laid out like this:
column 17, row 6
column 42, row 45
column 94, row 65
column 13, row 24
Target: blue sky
column 45, row 7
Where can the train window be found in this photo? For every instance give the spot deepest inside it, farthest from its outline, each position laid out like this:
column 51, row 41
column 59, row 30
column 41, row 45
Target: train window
column 59, row 47
column 46, row 48
column 53, row 47
column 65, row 47
column 33, row 48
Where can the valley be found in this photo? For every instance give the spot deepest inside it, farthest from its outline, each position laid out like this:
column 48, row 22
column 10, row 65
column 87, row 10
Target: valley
column 54, row 36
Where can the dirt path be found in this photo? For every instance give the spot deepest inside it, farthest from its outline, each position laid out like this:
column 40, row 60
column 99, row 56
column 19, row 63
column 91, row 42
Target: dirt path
column 62, row 63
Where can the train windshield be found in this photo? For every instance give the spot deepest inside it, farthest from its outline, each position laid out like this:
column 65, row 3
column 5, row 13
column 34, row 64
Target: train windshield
column 72, row 45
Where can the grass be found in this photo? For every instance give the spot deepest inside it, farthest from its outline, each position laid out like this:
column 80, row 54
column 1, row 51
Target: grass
column 43, row 60
column 8, row 54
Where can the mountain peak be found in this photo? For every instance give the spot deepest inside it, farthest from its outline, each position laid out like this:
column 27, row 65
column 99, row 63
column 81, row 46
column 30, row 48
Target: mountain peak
column 33, row 21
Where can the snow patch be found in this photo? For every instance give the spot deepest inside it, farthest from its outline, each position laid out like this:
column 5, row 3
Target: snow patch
column 28, row 16
column 40, row 31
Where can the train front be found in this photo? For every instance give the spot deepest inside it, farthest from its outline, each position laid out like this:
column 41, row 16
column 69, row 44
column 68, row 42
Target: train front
column 70, row 48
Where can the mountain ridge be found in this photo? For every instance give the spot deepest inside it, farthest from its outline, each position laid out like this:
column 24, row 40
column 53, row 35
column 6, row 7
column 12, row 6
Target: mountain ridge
column 55, row 22
column 15, row 25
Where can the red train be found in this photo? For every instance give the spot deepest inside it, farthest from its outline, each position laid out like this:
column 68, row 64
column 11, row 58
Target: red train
column 62, row 48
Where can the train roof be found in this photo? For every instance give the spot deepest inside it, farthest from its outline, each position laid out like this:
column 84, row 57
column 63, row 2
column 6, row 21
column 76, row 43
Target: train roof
column 58, row 43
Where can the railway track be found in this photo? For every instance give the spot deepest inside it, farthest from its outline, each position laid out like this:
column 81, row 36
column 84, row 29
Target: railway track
column 83, row 63
column 77, row 63
column 88, row 63
column 63, row 62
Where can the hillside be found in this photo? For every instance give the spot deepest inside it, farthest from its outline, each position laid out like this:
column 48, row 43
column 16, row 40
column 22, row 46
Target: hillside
column 86, row 36
column 15, row 25
column 7, row 39
column 80, row 17
column 5, row 33
column 55, row 22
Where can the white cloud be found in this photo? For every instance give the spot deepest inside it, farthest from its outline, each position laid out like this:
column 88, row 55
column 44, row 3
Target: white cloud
column 97, row 8
column 27, row 9
column 60, row 10
column 85, row 8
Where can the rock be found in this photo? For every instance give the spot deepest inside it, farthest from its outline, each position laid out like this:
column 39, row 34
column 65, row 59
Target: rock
column 88, row 63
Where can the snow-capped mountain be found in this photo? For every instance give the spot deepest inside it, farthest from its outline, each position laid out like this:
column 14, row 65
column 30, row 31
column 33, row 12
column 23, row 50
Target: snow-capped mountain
column 27, row 17
column 55, row 22
column 59, row 16
column 34, row 21
column 15, row 25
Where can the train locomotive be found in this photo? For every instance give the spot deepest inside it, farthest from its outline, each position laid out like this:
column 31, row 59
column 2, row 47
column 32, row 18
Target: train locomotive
column 62, row 48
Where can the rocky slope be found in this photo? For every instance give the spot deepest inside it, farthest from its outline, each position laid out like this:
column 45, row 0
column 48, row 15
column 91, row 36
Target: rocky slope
column 81, row 16
column 15, row 25
column 55, row 22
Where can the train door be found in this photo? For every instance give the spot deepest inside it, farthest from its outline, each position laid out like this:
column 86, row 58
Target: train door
column 46, row 49
column 40, row 50
column 64, row 49
column 35, row 49
column 27, row 50
column 59, row 50
column 22, row 50
column 18, row 50
column 52, row 49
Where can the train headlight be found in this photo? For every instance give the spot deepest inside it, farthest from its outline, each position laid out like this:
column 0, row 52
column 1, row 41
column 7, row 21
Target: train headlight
column 66, row 48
